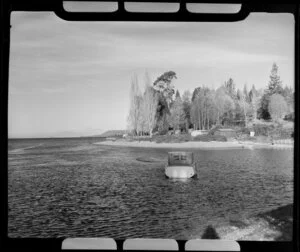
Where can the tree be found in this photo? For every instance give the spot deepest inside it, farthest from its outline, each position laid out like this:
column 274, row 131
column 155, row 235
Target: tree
column 288, row 95
column 254, row 102
column 165, row 89
column 141, row 125
column 177, row 95
column 196, row 113
column 238, row 94
column 211, row 108
column 230, row 88
column 162, row 124
column 246, row 94
column 263, row 111
column 274, row 86
column 277, row 107
column 245, row 108
column 186, row 103
column 150, row 102
column 224, row 104
column 163, row 84
column 232, row 92
column 203, row 108
column 161, row 114
column 135, row 106
column 177, row 116
column 195, row 93
column 244, row 105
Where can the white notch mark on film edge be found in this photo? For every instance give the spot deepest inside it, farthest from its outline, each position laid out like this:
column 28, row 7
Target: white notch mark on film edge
column 89, row 243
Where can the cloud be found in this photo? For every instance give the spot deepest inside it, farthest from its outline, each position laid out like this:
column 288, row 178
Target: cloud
column 84, row 68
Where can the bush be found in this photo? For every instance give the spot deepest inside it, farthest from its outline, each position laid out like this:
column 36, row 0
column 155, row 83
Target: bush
column 245, row 130
column 243, row 133
column 274, row 130
column 290, row 117
column 172, row 138
column 214, row 129
column 139, row 138
column 282, row 133
column 262, row 129
column 263, row 139
column 208, row 138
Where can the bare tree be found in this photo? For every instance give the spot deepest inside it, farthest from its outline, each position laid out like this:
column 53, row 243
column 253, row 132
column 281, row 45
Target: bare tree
column 177, row 116
column 224, row 103
column 204, row 108
column 141, row 126
column 186, row 102
column 135, row 105
column 245, row 108
column 254, row 102
column 150, row 102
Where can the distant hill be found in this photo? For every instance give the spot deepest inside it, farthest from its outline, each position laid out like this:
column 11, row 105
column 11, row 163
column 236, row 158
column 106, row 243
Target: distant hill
column 113, row 133
column 78, row 133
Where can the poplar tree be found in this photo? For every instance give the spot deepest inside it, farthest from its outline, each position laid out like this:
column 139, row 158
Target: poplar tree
column 150, row 102
column 135, row 106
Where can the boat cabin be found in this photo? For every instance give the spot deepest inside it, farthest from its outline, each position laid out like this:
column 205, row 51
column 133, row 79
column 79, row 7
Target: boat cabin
column 180, row 165
column 180, row 158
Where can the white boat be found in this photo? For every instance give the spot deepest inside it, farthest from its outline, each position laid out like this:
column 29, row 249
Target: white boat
column 180, row 165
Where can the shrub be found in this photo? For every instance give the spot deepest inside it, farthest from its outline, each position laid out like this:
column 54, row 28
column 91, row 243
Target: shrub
column 281, row 133
column 242, row 132
column 262, row 129
column 245, row 130
column 263, row 139
column 208, row 138
column 290, row 117
column 139, row 138
column 172, row 138
column 274, row 130
column 214, row 129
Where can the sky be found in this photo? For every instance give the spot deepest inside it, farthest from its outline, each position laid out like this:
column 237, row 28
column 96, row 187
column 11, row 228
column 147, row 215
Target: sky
column 73, row 78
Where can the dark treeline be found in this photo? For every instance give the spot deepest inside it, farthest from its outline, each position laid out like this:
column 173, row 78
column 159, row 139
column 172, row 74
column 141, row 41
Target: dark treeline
column 159, row 108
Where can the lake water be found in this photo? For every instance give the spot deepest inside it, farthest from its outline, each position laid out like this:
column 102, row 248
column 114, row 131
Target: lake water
column 74, row 188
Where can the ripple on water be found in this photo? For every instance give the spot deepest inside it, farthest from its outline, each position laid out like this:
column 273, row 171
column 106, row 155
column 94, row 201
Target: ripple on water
column 75, row 188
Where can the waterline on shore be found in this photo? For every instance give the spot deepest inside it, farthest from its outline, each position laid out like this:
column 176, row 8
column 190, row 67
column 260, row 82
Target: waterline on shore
column 197, row 145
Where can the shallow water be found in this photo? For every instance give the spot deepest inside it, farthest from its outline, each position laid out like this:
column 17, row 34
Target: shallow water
column 74, row 188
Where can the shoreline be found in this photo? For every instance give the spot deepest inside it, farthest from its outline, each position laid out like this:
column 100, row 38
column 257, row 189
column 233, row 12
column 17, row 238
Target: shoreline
column 196, row 145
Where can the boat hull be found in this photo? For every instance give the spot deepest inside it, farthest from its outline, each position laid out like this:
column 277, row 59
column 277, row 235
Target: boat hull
column 180, row 171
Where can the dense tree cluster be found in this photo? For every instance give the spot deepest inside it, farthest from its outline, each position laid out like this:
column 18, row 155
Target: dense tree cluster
column 159, row 108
